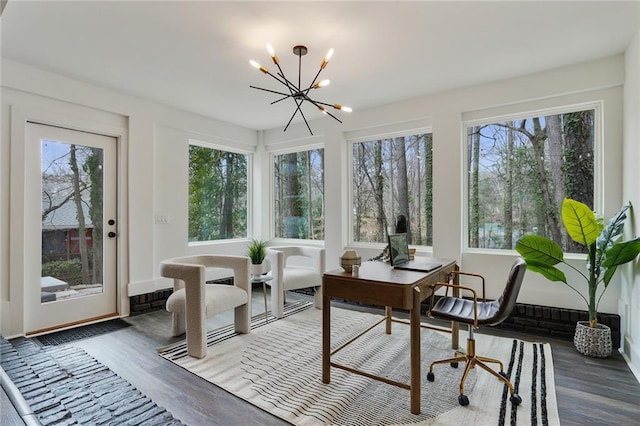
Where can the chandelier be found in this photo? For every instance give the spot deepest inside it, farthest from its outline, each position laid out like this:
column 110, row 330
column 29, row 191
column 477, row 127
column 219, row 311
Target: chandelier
column 297, row 92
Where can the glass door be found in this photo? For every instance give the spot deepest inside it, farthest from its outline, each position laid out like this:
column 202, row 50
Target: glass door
column 71, row 185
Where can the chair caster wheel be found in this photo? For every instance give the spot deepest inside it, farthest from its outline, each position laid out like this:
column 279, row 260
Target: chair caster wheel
column 454, row 364
column 463, row 400
column 430, row 376
column 515, row 399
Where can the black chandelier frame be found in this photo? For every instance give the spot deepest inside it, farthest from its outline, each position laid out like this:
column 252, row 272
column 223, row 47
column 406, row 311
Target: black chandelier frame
column 297, row 92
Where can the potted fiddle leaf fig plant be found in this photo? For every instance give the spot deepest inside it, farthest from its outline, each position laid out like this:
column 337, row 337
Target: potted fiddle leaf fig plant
column 605, row 252
column 257, row 251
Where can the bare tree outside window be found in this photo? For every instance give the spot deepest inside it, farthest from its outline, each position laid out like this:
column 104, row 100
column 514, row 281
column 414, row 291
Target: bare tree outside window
column 519, row 173
column 299, row 195
column 393, row 177
column 72, row 215
column 217, row 194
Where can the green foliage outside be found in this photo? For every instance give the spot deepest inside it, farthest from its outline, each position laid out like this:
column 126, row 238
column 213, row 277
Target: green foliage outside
column 393, row 176
column 299, row 195
column 69, row 271
column 217, row 194
column 521, row 170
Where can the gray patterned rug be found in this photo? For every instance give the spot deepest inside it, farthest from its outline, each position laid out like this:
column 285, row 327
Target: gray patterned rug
column 277, row 367
column 63, row 385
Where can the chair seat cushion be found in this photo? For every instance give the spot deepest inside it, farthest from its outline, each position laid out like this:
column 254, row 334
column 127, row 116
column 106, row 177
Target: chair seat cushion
column 219, row 298
column 458, row 309
column 294, row 278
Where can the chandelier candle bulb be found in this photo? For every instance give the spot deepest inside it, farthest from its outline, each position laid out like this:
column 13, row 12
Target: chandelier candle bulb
column 272, row 52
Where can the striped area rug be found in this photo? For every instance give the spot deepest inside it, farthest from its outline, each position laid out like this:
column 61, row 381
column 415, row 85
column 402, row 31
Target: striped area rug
column 277, row 367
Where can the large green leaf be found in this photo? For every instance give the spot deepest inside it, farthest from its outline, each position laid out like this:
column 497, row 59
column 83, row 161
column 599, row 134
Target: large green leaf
column 539, row 250
column 621, row 253
column 549, row 272
column 580, row 221
column 612, row 230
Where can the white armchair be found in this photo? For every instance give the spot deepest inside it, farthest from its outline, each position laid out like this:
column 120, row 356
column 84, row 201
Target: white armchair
column 293, row 268
column 192, row 300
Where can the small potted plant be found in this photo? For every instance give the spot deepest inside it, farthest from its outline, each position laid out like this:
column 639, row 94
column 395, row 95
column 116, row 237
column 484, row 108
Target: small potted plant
column 257, row 251
column 605, row 253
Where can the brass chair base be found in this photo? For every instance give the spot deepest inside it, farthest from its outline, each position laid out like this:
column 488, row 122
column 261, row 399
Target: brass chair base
column 472, row 359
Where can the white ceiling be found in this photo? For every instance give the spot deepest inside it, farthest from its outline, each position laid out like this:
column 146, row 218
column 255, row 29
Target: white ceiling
column 194, row 55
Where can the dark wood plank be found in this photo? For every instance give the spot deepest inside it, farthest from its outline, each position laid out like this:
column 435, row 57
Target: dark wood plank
column 589, row 391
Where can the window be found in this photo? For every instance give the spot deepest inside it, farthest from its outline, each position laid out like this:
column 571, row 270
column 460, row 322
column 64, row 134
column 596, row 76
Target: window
column 392, row 177
column 217, row 194
column 299, row 195
column 521, row 169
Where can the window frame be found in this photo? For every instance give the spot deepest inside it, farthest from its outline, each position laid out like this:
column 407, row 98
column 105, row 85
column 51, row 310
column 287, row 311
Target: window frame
column 359, row 137
column 272, row 153
column 234, row 150
column 494, row 115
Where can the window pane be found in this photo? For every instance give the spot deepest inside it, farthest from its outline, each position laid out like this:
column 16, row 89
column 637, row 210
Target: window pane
column 299, row 195
column 217, row 194
column 392, row 177
column 519, row 173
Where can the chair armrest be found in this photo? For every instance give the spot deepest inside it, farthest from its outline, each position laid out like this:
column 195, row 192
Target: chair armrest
column 437, row 285
column 452, row 274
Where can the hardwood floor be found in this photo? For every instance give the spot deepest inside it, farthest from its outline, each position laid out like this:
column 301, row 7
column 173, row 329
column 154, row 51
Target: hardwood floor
column 589, row 391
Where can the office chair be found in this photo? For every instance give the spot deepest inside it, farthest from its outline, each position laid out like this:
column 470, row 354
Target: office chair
column 475, row 313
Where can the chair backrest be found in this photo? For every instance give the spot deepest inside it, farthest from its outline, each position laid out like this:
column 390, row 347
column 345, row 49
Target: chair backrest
column 316, row 256
column 510, row 294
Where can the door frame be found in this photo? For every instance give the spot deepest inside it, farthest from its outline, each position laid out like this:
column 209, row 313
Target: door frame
column 81, row 119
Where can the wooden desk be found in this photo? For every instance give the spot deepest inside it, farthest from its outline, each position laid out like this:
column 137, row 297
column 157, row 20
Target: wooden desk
column 379, row 284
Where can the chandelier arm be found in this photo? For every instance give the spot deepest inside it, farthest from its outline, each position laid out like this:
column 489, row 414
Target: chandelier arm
column 313, row 82
column 292, row 87
column 282, row 99
column 286, row 81
column 294, row 114
column 323, row 103
column 269, row 90
column 283, row 82
column 323, row 110
column 305, row 120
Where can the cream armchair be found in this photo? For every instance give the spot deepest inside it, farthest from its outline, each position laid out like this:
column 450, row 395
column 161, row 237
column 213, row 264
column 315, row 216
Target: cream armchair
column 293, row 268
column 192, row 300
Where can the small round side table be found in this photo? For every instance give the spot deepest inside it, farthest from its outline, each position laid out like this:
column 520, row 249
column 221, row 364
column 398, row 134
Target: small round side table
column 262, row 279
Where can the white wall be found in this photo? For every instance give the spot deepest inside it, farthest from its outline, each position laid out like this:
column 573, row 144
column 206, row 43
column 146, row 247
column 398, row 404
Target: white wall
column 629, row 303
column 149, row 133
column 597, row 81
column 156, row 160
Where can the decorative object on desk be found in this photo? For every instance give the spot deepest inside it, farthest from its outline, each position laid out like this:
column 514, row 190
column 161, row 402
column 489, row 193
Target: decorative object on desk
column 257, row 251
column 295, row 92
column 350, row 258
column 277, row 367
column 605, row 253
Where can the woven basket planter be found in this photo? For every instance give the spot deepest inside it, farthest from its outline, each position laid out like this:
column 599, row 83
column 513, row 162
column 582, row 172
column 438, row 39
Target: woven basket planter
column 593, row 341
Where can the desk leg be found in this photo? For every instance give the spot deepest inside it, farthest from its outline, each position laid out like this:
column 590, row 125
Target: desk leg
column 326, row 338
column 415, row 352
column 388, row 311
